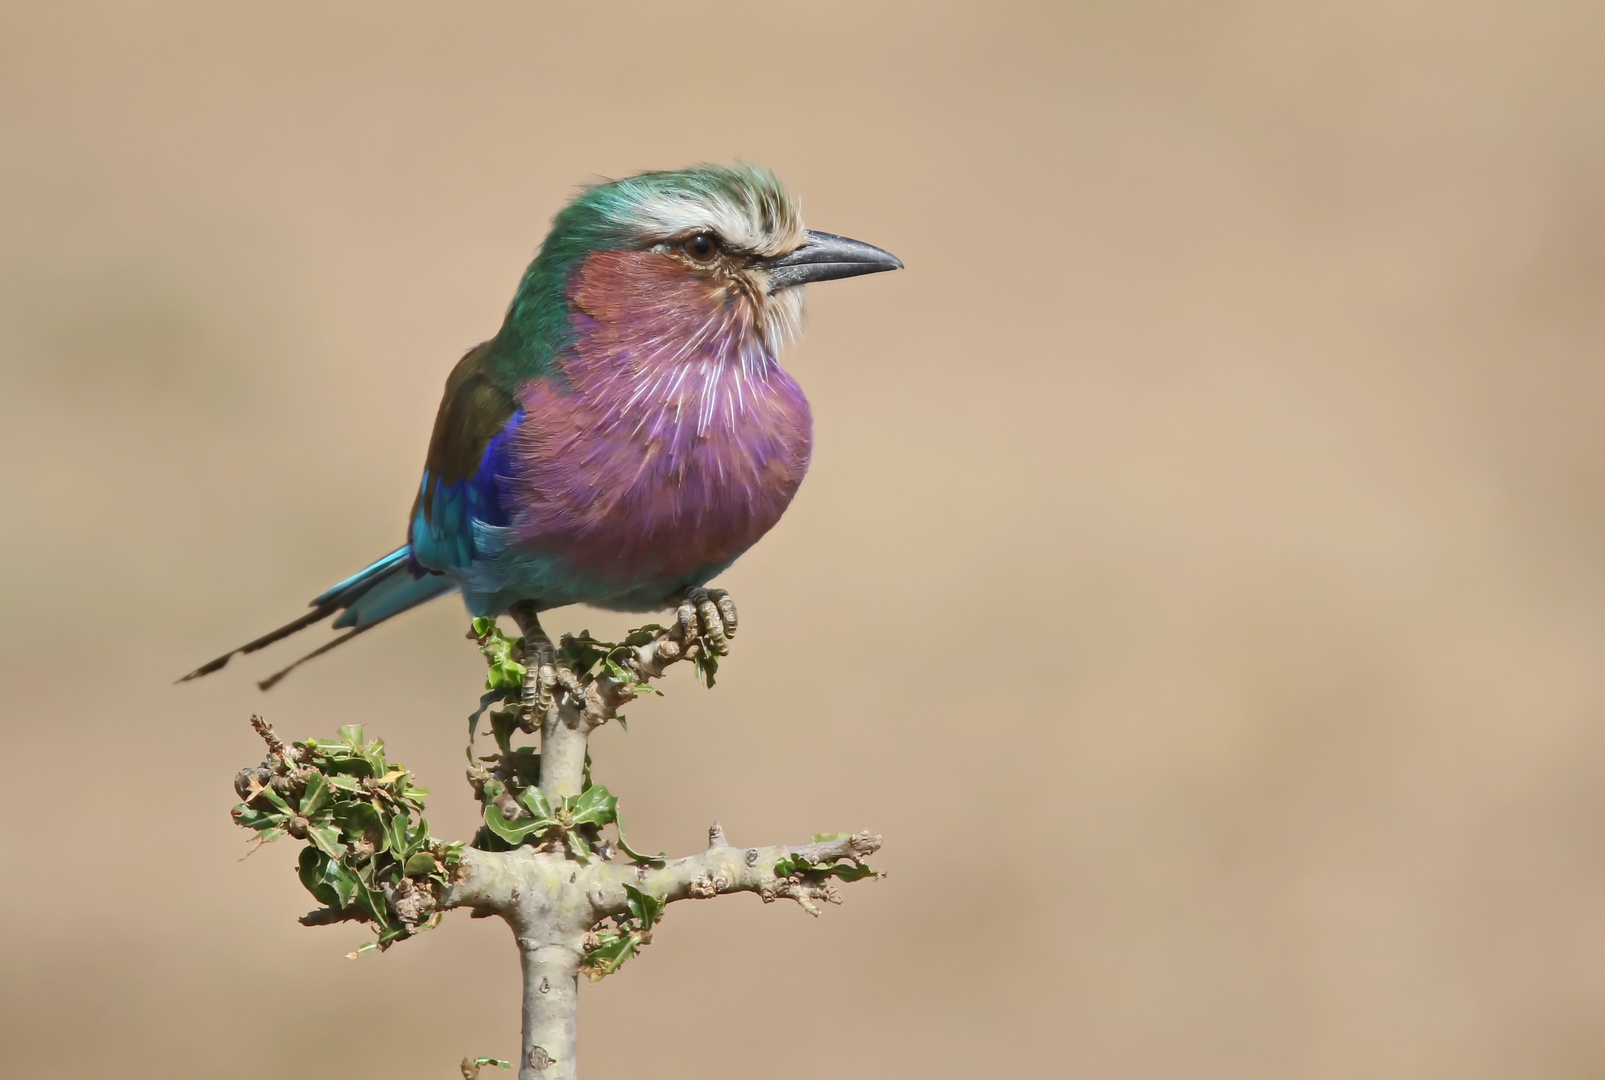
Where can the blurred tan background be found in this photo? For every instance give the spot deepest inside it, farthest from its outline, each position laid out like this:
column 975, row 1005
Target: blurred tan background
column 1200, row 582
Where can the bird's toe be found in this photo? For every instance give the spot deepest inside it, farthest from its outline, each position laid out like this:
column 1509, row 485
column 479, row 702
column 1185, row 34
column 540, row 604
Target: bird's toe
column 544, row 675
column 708, row 615
column 727, row 610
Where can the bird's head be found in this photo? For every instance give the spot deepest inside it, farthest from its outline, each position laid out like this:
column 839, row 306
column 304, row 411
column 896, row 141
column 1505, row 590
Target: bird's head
column 667, row 246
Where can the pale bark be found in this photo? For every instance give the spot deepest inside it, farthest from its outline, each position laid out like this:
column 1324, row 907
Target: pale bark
column 552, row 902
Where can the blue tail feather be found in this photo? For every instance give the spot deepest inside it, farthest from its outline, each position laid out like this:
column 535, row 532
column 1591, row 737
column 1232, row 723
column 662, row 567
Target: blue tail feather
column 377, row 592
column 368, row 575
column 391, row 595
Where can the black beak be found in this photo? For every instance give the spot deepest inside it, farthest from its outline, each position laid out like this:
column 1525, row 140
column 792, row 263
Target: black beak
column 824, row 256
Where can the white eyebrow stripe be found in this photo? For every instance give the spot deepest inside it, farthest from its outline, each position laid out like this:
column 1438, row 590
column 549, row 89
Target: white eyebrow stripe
column 735, row 221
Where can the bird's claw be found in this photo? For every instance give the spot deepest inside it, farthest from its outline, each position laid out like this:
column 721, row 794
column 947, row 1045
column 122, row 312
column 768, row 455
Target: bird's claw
column 708, row 615
column 544, row 676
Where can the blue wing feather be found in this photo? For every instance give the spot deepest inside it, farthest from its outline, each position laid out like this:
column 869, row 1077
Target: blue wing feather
column 442, row 532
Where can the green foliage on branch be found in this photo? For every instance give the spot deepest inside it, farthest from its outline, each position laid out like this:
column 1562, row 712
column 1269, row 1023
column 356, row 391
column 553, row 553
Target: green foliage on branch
column 369, row 855
column 842, row 867
column 515, row 811
column 591, row 659
column 607, row 950
column 576, row 819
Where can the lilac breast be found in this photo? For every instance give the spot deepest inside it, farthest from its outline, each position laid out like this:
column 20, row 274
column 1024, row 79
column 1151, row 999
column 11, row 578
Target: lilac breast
column 671, row 439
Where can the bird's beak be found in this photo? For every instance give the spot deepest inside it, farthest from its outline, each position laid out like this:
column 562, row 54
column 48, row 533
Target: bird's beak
column 824, row 256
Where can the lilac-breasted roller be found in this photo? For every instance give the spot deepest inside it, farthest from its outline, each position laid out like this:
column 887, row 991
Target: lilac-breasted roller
column 629, row 431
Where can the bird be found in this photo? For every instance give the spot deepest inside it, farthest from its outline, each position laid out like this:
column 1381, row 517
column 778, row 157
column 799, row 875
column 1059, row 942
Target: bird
column 629, row 431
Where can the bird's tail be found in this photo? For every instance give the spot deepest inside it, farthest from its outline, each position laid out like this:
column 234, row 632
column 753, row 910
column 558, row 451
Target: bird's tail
column 360, row 602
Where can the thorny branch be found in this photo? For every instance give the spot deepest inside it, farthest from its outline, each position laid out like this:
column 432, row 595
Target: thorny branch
column 578, row 901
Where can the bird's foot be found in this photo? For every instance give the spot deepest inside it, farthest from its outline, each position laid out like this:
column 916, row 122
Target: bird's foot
column 707, row 616
column 545, row 675
column 540, row 682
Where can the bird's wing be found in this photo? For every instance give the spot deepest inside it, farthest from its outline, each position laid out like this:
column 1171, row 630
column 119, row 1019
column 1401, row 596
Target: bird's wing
column 466, row 464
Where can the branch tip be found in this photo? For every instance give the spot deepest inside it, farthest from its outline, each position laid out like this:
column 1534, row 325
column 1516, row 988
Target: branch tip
column 275, row 745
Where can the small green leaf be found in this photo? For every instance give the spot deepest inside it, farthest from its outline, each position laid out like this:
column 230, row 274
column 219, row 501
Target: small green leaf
column 353, row 735
column 514, row 832
column 356, row 818
column 826, row 838
column 595, row 806
column 577, row 845
column 582, row 653
column 249, row 817
column 327, row 840
column 534, row 800
column 374, row 755
column 416, row 841
column 609, row 956
column 317, row 797
column 396, row 835
column 276, row 799
column 645, row 908
column 504, row 673
column 486, row 700
column 343, row 881
column 636, row 856
column 784, row 867
column 706, row 665
column 421, row 863
column 312, row 867
column 525, row 763
column 373, row 901
column 503, row 723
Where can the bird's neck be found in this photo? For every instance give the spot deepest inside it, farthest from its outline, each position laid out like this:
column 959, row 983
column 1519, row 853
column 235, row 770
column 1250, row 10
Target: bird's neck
column 650, row 340
column 638, row 309
column 537, row 326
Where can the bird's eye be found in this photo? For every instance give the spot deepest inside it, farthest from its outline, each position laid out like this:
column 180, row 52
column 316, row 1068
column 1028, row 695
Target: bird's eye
column 702, row 247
